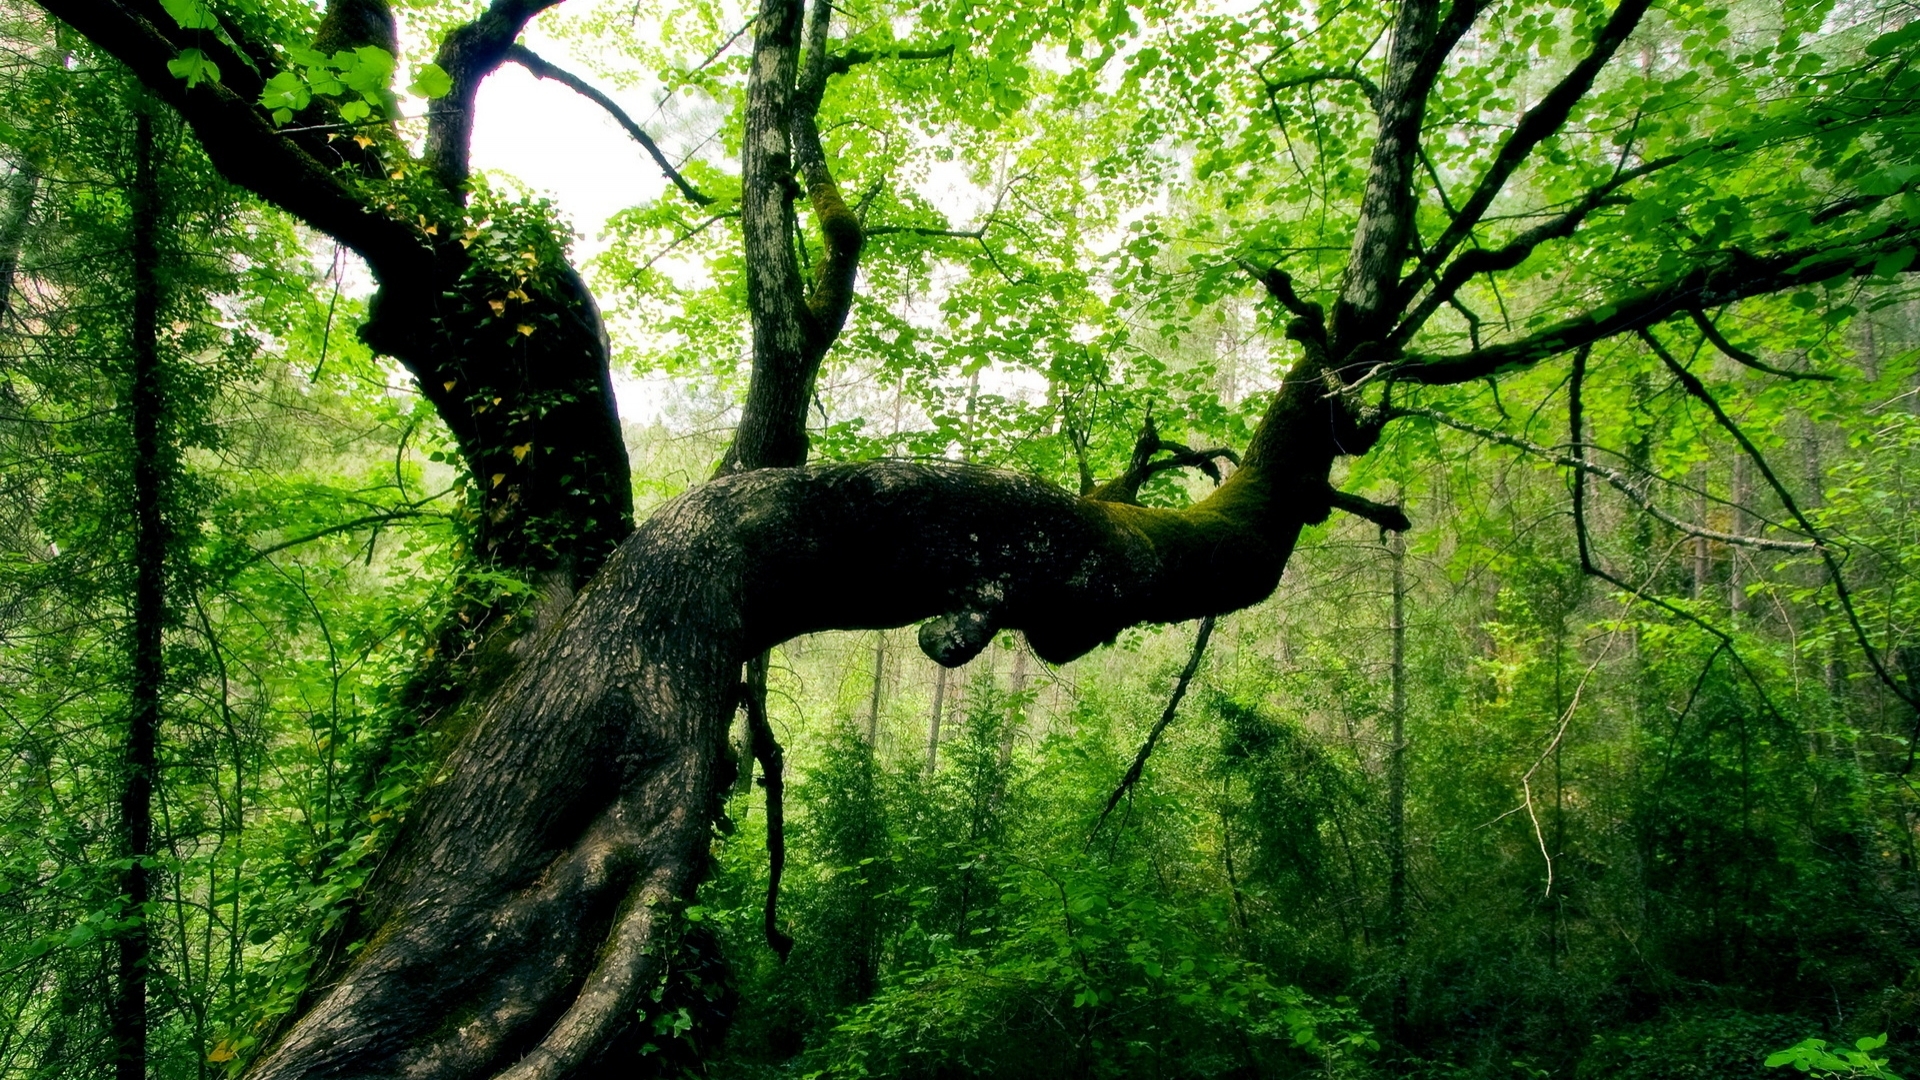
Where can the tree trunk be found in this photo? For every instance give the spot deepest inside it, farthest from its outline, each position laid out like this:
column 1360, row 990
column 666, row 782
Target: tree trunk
column 879, row 683
column 516, row 922
column 933, row 720
column 1397, row 791
column 149, row 477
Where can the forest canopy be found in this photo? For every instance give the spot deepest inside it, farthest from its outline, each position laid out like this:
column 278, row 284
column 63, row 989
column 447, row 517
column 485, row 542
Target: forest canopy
column 1081, row 540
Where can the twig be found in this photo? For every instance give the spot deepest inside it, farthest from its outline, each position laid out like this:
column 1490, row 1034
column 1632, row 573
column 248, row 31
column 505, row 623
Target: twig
column 1698, row 391
column 1146, row 748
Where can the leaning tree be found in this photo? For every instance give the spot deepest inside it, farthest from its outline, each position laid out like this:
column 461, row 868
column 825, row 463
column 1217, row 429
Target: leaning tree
column 521, row 916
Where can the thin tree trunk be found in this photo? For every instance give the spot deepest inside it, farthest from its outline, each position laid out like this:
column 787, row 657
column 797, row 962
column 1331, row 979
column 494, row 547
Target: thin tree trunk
column 1702, row 554
column 1742, row 526
column 149, row 477
column 879, row 684
column 933, row 721
column 1017, row 714
column 22, row 186
column 1397, row 790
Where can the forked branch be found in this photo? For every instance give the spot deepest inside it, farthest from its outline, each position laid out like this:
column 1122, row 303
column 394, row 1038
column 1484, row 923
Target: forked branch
column 1539, row 123
column 1698, row 391
column 528, row 59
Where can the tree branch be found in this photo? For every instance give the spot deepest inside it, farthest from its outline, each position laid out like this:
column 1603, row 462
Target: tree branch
column 1635, row 489
column 1725, row 277
column 468, row 54
column 1515, row 251
column 1591, row 566
column 1380, row 236
column 847, row 61
column 1388, row 516
column 1698, row 390
column 244, row 146
column 1539, row 123
column 1141, row 467
column 1139, row 765
column 1351, row 75
column 841, row 233
column 526, row 58
column 1741, row 356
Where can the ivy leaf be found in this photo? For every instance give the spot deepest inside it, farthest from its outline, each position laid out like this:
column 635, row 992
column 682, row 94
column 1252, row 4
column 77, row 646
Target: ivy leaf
column 430, row 81
column 193, row 66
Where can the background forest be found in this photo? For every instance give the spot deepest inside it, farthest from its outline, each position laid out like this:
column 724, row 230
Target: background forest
column 1606, row 778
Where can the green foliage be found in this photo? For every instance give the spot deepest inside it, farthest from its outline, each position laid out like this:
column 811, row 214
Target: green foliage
column 1812, row 1056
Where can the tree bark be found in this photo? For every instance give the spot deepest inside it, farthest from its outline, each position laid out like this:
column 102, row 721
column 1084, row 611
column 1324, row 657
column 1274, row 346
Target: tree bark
column 1397, row 790
column 518, row 918
column 146, row 407
column 934, row 718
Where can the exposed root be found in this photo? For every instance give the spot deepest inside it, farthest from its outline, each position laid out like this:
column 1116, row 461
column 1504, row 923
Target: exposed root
column 629, row 964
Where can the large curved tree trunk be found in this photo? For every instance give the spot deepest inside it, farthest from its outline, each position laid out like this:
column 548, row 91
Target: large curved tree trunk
column 519, row 920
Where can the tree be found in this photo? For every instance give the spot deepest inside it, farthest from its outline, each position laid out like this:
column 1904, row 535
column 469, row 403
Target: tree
column 518, row 919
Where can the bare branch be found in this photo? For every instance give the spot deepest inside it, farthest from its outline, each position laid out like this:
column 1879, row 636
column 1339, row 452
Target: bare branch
column 1741, row 356
column 526, row 58
column 1139, row 765
column 1634, row 488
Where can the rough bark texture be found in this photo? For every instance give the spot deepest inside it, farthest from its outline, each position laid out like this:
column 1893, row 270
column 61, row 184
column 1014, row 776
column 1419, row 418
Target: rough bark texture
column 497, row 388
column 146, row 407
column 522, row 908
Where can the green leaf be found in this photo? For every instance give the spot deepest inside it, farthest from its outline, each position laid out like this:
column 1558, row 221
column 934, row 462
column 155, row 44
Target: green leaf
column 285, row 91
column 190, row 14
column 193, row 66
column 429, row 81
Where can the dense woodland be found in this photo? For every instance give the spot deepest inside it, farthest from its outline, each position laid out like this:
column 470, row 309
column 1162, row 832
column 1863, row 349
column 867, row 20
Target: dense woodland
column 996, row 359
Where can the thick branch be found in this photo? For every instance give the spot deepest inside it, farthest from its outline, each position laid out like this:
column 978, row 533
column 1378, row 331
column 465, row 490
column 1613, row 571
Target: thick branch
column 840, row 229
column 579, row 792
column 526, row 58
column 469, row 54
column 772, row 429
column 1539, row 123
column 246, row 149
column 1380, row 237
column 1728, row 276
column 1388, row 516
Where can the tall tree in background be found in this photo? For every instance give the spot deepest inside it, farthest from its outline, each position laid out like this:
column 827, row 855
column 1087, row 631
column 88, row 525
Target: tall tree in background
column 516, row 923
